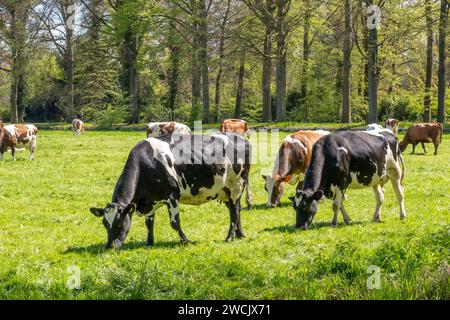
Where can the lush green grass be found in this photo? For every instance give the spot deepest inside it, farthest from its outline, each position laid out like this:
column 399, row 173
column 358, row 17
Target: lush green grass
column 46, row 227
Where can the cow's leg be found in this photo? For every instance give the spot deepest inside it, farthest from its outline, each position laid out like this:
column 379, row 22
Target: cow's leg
column 174, row 212
column 32, row 148
column 2, row 152
column 379, row 197
column 414, row 147
column 239, row 231
column 13, row 152
column 149, row 222
column 423, row 147
column 398, row 189
column 347, row 219
column 233, row 207
column 436, row 145
column 337, row 203
column 249, row 196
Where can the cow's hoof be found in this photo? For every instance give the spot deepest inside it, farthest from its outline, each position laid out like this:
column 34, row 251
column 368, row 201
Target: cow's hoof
column 240, row 235
column 184, row 242
column 334, row 224
column 348, row 222
column 229, row 239
column 402, row 217
column 378, row 220
column 150, row 244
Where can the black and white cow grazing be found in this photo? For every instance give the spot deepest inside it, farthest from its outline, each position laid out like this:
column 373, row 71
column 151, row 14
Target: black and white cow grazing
column 168, row 170
column 350, row 160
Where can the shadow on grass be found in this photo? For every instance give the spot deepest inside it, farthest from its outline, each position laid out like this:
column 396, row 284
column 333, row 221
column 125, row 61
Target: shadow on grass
column 313, row 226
column 99, row 248
column 263, row 206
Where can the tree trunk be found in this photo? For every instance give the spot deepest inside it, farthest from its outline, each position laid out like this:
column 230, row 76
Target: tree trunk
column 240, row 87
column 134, row 82
column 346, row 66
column 281, row 63
column 267, row 75
column 18, row 35
column 196, row 79
column 305, row 63
column 203, row 39
column 429, row 62
column 68, row 9
column 373, row 75
column 173, row 71
column 442, row 57
column 221, row 57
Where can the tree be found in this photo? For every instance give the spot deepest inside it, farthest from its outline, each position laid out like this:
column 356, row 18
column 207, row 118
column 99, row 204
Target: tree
column 15, row 15
column 442, row 59
column 346, row 64
column 429, row 61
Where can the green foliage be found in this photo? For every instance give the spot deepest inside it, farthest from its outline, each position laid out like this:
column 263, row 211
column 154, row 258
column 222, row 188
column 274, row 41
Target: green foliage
column 403, row 106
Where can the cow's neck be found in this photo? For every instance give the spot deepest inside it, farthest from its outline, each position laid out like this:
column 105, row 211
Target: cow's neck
column 314, row 175
column 125, row 190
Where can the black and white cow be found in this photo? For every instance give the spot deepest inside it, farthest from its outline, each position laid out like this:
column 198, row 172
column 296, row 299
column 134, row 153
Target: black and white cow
column 350, row 160
column 168, row 170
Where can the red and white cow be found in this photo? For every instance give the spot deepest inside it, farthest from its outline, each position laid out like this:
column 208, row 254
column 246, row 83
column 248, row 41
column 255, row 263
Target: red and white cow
column 392, row 124
column 157, row 129
column 77, row 127
column 17, row 134
column 291, row 163
column 238, row 126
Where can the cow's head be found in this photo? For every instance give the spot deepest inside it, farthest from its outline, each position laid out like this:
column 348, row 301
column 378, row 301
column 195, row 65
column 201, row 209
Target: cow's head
column 305, row 205
column 117, row 221
column 275, row 188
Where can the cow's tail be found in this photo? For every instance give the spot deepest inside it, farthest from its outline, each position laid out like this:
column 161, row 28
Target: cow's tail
column 400, row 156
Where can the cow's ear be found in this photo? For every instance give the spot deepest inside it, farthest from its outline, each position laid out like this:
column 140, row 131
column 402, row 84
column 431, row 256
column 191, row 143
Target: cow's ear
column 286, row 179
column 318, row 195
column 292, row 199
column 98, row 212
column 264, row 177
column 130, row 208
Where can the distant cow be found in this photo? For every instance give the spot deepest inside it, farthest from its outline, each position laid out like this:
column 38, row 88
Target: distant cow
column 392, row 124
column 13, row 135
column 238, row 126
column 423, row 132
column 157, row 174
column 373, row 126
column 291, row 162
column 77, row 127
column 350, row 160
column 156, row 129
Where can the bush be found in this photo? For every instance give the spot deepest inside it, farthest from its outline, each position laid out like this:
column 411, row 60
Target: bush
column 403, row 106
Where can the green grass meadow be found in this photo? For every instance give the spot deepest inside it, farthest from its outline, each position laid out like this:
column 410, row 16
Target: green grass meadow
column 46, row 229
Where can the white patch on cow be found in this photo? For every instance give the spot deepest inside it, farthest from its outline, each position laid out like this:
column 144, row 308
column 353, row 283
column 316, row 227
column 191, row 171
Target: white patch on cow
column 297, row 200
column 373, row 126
column 289, row 139
column 110, row 215
column 343, row 150
column 161, row 150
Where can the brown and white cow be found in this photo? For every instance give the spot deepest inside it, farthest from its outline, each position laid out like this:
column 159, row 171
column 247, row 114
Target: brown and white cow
column 422, row 132
column 17, row 134
column 77, row 127
column 157, row 129
column 392, row 124
column 238, row 126
column 291, row 163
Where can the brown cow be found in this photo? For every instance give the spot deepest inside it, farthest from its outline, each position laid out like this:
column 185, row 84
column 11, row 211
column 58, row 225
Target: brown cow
column 291, row 163
column 14, row 134
column 392, row 124
column 77, row 127
column 238, row 126
column 423, row 132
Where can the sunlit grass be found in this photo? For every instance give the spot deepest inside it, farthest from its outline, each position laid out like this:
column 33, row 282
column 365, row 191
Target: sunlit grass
column 46, row 227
